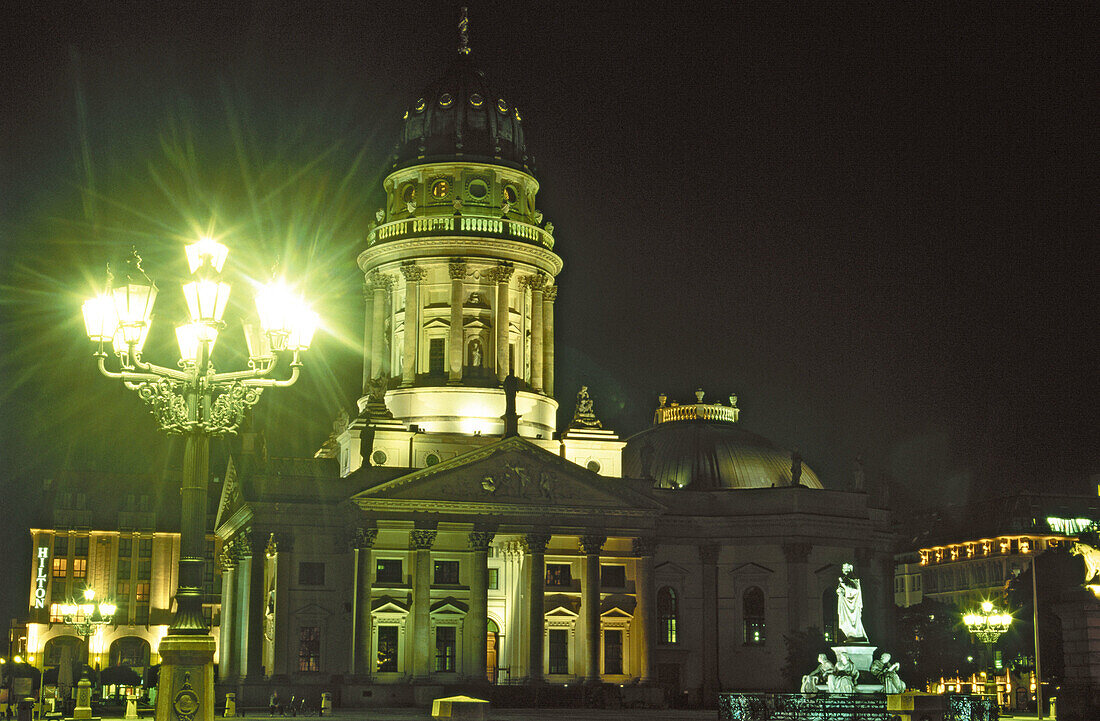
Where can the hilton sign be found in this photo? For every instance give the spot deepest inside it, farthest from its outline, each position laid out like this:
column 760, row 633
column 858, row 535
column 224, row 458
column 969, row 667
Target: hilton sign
column 41, row 577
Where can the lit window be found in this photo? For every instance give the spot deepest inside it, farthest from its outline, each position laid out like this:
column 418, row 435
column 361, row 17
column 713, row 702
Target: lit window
column 80, row 568
column 445, row 649
column 752, row 605
column 141, row 591
column 388, row 570
column 55, row 613
column 309, row 648
column 387, row 649
column 440, row 189
column 494, row 579
column 60, row 567
column 667, row 615
column 558, row 575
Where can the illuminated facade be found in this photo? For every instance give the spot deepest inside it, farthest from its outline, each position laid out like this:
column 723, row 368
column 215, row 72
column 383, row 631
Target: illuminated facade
column 125, row 546
column 441, row 537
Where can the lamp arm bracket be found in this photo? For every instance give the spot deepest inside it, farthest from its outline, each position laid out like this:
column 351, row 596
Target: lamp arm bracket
column 166, row 402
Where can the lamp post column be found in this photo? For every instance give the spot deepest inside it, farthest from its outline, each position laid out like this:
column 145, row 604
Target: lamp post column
column 535, row 544
column 548, row 297
column 592, row 545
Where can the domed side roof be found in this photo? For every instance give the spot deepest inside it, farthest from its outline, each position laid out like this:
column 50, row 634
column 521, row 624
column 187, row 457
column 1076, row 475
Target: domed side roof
column 707, row 455
column 460, row 117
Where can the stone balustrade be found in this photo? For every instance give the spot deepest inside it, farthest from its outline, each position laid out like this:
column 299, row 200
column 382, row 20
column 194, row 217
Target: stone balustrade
column 450, row 225
column 696, row 411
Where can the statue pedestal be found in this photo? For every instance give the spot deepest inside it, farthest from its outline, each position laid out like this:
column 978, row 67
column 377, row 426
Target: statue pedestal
column 186, row 688
column 862, row 654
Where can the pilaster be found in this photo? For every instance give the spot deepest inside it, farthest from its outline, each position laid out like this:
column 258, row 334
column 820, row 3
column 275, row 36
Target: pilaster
column 592, row 544
column 421, row 542
column 362, row 545
column 414, row 274
column 548, row 297
column 458, row 272
column 534, row 545
column 644, row 615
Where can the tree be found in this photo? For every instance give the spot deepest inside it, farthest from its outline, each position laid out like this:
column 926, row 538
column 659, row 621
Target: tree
column 935, row 644
column 802, row 650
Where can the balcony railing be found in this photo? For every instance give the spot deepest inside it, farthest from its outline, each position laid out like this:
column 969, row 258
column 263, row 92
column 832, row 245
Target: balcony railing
column 461, row 225
column 696, row 411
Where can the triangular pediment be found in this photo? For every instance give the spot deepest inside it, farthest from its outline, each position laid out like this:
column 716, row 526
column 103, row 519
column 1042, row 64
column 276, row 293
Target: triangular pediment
column 449, row 606
column 513, row 476
column 312, row 609
column 388, row 604
column 615, row 613
column 437, row 323
column 231, row 498
column 750, row 569
column 668, row 568
column 561, row 605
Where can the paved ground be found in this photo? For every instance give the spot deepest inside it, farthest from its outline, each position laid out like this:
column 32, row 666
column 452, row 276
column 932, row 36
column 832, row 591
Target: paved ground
column 561, row 714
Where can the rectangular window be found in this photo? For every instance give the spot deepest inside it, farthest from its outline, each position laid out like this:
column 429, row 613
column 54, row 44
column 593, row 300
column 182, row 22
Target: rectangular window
column 145, row 569
column 436, row 356
column 613, row 576
column 309, row 648
column 55, row 613
column 916, row 583
column 141, row 614
column 122, row 591
column 311, row 573
column 559, row 650
column 145, row 547
column 445, row 649
column 558, row 575
column 125, row 547
column 124, row 568
column 446, row 573
column 80, row 546
column 387, row 649
column 61, row 546
column 141, row 591
column 80, row 568
column 494, row 579
column 81, row 501
column 613, row 651
column 388, row 570
column 59, row 591
column 60, row 567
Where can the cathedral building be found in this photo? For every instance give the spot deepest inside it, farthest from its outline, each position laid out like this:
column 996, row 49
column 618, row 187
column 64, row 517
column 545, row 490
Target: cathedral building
column 451, row 535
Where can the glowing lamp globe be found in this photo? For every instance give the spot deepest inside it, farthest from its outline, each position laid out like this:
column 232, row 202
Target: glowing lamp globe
column 206, row 300
column 100, row 318
column 304, row 325
column 134, row 307
column 191, row 336
column 206, row 250
column 259, row 342
column 276, row 304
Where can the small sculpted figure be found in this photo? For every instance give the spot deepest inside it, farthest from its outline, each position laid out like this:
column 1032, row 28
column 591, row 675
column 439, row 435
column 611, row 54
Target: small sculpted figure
column 844, row 675
column 819, row 675
column 849, row 605
column 887, row 674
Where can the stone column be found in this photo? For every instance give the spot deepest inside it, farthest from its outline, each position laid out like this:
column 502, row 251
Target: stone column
column 368, row 317
column 362, row 545
column 228, row 663
column 548, row 297
column 535, row 547
column 254, row 544
column 421, row 541
column 455, row 341
column 708, row 562
column 413, row 275
column 380, row 285
column 477, row 618
column 284, row 648
column 502, row 274
column 644, row 614
column 592, row 545
column 536, row 282
column 797, row 555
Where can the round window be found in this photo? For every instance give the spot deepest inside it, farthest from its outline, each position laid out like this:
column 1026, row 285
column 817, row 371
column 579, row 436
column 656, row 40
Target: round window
column 478, row 189
column 379, row 458
column 440, row 188
column 502, row 106
column 510, row 194
column 593, row 466
column 445, row 100
column 408, row 193
column 432, row 459
column 476, row 100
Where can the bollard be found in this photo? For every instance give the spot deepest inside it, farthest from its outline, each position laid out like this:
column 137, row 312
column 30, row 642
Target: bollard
column 230, row 704
column 326, row 703
column 131, row 706
column 26, row 709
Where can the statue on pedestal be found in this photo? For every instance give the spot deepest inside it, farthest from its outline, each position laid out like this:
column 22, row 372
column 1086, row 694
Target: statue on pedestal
column 849, row 605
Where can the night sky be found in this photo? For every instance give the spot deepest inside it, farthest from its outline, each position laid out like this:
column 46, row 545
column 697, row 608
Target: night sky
column 870, row 222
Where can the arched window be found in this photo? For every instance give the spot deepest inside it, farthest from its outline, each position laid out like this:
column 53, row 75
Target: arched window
column 667, row 615
column 828, row 614
column 752, row 606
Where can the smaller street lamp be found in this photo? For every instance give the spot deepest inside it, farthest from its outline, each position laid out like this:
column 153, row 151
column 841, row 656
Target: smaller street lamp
column 87, row 618
column 987, row 626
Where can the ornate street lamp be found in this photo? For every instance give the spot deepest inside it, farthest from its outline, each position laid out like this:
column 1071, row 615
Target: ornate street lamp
column 87, row 618
column 987, row 626
column 195, row 401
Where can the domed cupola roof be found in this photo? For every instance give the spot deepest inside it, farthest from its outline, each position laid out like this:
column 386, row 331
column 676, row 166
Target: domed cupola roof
column 700, row 447
column 460, row 117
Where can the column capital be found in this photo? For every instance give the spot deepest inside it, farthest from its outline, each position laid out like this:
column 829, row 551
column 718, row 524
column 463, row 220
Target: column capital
column 708, row 553
column 227, row 558
column 362, row 538
column 498, row 273
column 797, row 551
column 379, row 280
column 644, row 545
column 535, row 281
column 413, row 273
column 535, row 542
column 550, row 293
column 592, row 543
column 457, row 269
column 279, row 541
column 421, row 540
column 480, row 540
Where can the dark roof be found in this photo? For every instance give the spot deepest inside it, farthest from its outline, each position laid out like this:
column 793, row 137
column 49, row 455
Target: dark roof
column 709, row 455
column 460, row 117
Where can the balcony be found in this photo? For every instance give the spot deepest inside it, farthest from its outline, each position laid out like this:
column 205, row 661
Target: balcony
column 459, row 226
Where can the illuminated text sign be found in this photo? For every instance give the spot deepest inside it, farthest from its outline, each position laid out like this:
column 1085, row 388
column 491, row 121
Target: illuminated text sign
column 41, row 577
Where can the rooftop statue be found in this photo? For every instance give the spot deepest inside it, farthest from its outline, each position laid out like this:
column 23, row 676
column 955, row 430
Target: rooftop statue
column 849, row 605
column 585, row 416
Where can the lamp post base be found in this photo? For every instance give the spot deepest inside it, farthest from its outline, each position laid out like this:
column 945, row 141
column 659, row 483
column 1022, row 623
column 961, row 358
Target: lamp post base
column 186, row 688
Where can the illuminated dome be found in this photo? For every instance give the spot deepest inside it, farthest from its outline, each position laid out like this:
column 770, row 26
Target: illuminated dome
column 700, row 447
column 460, row 117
